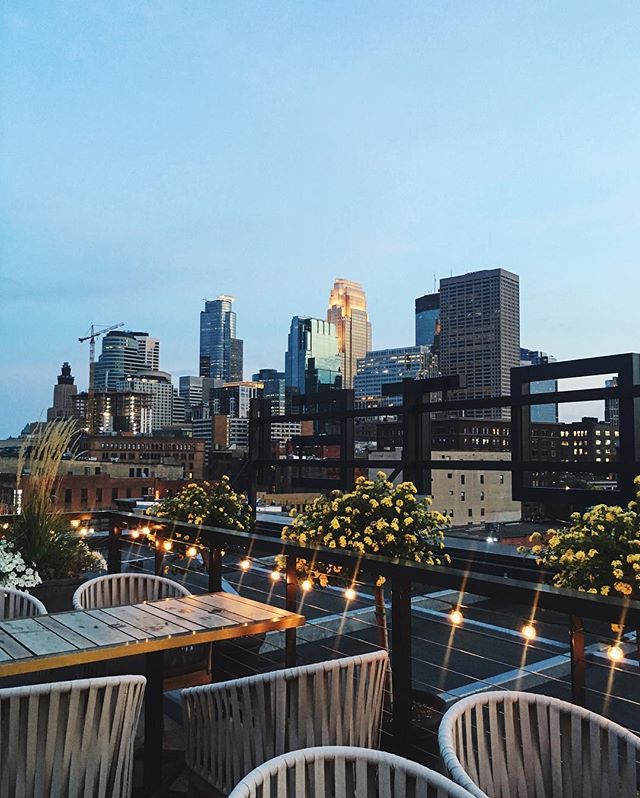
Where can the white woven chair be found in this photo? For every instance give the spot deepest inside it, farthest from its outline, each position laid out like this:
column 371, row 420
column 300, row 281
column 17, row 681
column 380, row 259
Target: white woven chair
column 118, row 589
column 345, row 772
column 69, row 739
column 234, row 726
column 18, row 604
column 520, row 745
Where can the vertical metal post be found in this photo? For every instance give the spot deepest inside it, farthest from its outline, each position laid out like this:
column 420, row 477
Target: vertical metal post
column 347, row 439
column 153, row 722
column 291, row 598
column 576, row 642
column 402, row 681
column 215, row 570
column 255, row 451
column 158, row 559
column 114, row 553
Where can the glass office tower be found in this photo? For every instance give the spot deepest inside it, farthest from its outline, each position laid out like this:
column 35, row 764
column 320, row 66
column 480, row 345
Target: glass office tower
column 312, row 359
column 348, row 313
column 427, row 319
column 220, row 350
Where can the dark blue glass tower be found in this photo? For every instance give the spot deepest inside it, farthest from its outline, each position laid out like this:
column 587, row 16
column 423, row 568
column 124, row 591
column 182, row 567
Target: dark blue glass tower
column 220, row 350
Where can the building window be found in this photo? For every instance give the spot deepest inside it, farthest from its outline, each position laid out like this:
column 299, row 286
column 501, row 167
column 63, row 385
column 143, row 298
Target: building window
column 449, row 476
column 68, row 495
column 481, row 495
column 502, row 479
column 132, row 472
column 98, row 495
column 128, row 493
column 470, row 512
column 482, row 512
column 450, row 493
column 462, row 479
column 84, row 497
column 462, row 496
column 114, row 494
column 482, row 479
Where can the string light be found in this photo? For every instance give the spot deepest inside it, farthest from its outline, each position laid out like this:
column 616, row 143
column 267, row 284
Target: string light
column 615, row 652
column 192, row 551
column 528, row 631
column 307, row 585
column 75, row 523
column 146, row 530
column 91, row 530
column 350, row 594
column 167, row 545
column 245, row 564
column 456, row 617
column 275, row 576
column 83, row 531
column 135, row 534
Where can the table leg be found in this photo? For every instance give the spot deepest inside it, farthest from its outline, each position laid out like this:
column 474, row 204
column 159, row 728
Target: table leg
column 153, row 722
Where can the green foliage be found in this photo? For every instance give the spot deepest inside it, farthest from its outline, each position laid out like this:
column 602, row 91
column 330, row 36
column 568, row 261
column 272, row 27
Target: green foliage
column 377, row 517
column 207, row 504
column 598, row 553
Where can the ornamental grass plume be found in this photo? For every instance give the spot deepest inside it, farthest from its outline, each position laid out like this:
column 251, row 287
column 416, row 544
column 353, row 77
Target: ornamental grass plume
column 598, row 553
column 377, row 517
column 41, row 534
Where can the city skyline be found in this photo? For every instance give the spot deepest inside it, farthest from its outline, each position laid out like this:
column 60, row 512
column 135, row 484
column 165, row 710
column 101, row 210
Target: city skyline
column 154, row 159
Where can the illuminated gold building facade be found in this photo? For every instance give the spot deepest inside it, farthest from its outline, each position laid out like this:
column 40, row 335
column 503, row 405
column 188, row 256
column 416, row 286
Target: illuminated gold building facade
column 348, row 312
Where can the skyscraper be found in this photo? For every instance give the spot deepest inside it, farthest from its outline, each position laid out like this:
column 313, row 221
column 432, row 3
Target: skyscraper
column 480, row 334
column 541, row 413
column 611, row 406
column 124, row 353
column 384, row 366
column 63, row 393
column 348, row 312
column 221, row 352
column 274, row 388
column 427, row 319
column 312, row 359
column 158, row 385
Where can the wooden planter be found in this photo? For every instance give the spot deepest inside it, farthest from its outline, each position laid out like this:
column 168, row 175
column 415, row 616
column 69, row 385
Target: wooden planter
column 57, row 594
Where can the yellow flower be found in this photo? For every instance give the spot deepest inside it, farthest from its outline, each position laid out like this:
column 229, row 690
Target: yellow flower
column 624, row 588
column 580, row 555
column 408, row 521
column 335, row 524
column 399, row 503
column 593, row 553
column 373, row 503
column 380, row 581
column 604, row 590
column 618, row 573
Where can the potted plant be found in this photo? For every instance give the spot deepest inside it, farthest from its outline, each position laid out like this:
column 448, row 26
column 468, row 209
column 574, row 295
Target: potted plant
column 205, row 504
column 14, row 571
column 41, row 534
column 599, row 552
column 377, row 517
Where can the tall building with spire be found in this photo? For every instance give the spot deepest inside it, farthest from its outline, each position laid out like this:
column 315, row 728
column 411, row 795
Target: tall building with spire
column 63, row 392
column 221, row 352
column 348, row 313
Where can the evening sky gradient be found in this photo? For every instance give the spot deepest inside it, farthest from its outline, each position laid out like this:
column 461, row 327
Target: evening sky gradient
column 156, row 153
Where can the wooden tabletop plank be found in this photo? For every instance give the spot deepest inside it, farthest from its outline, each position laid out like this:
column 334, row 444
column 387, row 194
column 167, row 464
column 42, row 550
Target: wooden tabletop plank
column 92, row 629
column 35, row 637
column 27, row 645
column 196, row 612
column 12, row 648
column 52, row 623
column 242, row 609
column 118, row 623
column 145, row 619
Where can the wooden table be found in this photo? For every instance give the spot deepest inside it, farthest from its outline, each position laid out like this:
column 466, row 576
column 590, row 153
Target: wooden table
column 66, row 639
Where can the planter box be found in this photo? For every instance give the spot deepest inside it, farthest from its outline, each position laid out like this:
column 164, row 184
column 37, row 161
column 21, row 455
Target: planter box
column 57, row 594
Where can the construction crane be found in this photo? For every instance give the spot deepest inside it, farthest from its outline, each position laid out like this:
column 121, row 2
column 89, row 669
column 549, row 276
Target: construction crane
column 93, row 335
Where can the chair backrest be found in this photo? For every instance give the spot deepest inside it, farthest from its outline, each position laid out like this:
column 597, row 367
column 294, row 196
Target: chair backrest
column 344, row 772
column 518, row 745
column 18, row 604
column 72, row 739
column 118, row 589
column 234, row 726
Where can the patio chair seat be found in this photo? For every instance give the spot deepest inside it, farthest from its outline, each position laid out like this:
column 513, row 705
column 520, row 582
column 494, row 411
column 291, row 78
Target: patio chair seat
column 69, row 739
column 18, row 604
column 521, row 745
column 345, row 772
column 234, row 726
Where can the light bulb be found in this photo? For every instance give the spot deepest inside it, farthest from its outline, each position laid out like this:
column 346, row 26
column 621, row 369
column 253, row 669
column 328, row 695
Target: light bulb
column 146, row 530
column 275, row 576
column 83, row 531
column 245, row 565
column 306, row 585
column 456, row 617
column 615, row 653
column 350, row 594
column 528, row 631
column 75, row 524
column 192, row 551
column 167, row 545
column 135, row 534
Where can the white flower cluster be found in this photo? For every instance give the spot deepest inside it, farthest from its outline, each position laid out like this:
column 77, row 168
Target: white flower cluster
column 14, row 572
column 99, row 562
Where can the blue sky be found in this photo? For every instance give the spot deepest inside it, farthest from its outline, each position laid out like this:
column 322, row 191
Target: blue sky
column 156, row 153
